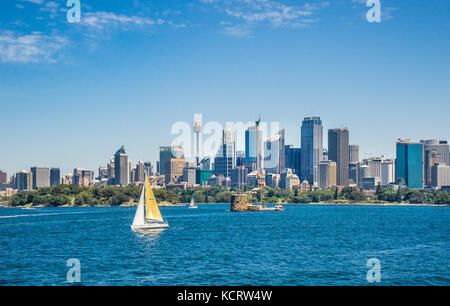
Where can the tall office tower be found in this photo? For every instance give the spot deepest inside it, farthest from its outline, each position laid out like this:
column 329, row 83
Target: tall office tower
column 338, row 151
column 275, row 153
column 239, row 176
column 353, row 173
column 225, row 160
column 327, row 174
column 441, row 147
column 282, row 134
column 253, row 145
column 374, row 164
column 197, row 131
column 440, row 175
column 23, row 180
column 166, row 153
column 353, row 152
column 312, row 149
column 148, row 168
column 41, row 177
column 205, row 163
column 240, row 158
column 409, row 163
column 430, row 158
column 82, row 177
column 121, row 168
column 102, row 173
column 55, row 176
column 190, row 175
column 292, row 158
column 387, row 172
column 364, row 172
column 174, row 169
column 3, row 177
column 111, row 172
column 139, row 172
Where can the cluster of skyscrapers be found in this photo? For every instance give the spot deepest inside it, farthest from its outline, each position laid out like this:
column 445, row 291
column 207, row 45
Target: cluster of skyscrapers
column 269, row 161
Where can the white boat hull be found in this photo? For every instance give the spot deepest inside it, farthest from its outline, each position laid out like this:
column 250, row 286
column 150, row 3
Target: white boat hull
column 150, row 226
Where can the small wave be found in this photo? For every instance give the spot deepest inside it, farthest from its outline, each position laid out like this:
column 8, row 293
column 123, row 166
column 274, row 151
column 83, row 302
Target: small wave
column 51, row 214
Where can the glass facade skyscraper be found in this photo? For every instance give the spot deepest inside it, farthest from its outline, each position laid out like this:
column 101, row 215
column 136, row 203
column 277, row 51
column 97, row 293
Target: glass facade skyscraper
column 409, row 164
column 254, row 145
column 225, row 160
column 312, row 149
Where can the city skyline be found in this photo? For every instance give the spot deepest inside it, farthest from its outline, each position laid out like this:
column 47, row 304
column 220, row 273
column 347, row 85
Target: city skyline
column 239, row 147
column 156, row 61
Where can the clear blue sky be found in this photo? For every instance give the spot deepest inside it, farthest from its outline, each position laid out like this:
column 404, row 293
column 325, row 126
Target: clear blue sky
column 71, row 94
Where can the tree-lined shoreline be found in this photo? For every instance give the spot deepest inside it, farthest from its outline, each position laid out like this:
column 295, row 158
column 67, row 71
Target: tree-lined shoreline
column 72, row 195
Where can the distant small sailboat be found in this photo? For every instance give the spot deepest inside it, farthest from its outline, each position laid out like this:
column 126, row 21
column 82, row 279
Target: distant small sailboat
column 147, row 215
column 193, row 203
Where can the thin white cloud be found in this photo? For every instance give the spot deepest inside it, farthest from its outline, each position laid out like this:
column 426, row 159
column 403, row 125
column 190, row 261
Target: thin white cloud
column 100, row 20
column 30, row 48
column 249, row 13
column 34, row 1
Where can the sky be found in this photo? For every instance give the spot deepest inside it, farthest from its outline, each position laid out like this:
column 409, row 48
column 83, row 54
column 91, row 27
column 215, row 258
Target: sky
column 72, row 93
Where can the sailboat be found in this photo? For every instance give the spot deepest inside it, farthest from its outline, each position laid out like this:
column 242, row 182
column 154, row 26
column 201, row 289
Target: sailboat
column 193, row 203
column 147, row 215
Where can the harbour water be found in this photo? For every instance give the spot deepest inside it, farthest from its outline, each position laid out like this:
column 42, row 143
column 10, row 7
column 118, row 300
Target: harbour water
column 302, row 245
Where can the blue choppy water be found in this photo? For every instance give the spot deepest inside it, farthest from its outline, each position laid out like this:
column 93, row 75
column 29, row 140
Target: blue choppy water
column 303, row 245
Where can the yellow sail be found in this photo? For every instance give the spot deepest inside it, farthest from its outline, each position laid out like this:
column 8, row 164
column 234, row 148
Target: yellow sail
column 150, row 203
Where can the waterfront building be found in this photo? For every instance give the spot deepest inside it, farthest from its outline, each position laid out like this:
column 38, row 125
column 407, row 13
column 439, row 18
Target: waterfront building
column 364, row 172
column 338, row 151
column 440, row 175
column 292, row 181
column 374, row 164
column 41, row 177
column 409, row 163
column 239, row 177
column 217, row 180
column 353, row 151
column 225, row 160
column 273, row 151
column 256, row 179
column 292, row 158
column 102, row 173
column 387, row 172
column 253, row 145
column 202, row 176
column 370, row 183
column 139, row 172
column 121, row 168
column 240, row 158
column 55, row 176
column 3, row 178
column 166, row 153
column 148, row 168
column 68, row 179
column 312, row 149
column 205, row 163
column 111, row 171
column 189, row 175
column 82, row 178
column 23, row 181
column 327, row 174
column 288, row 179
column 174, row 169
column 353, row 173
column 273, row 180
column 441, row 147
